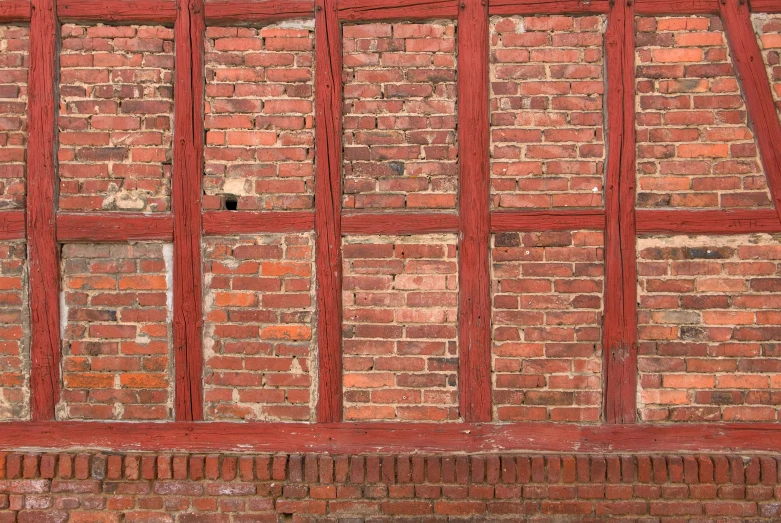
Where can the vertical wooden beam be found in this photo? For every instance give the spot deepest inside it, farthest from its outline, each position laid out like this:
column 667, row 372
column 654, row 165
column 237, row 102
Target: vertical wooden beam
column 42, row 249
column 186, row 205
column 750, row 69
column 474, row 333
column 328, row 208
column 620, row 323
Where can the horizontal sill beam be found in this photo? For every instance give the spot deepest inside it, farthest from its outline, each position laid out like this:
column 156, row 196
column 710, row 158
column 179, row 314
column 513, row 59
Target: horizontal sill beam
column 244, row 12
column 114, row 227
column 676, row 7
column 707, row 222
column 540, row 221
column 348, row 438
column 117, row 11
column 399, row 223
column 220, row 223
column 548, row 7
column 368, row 10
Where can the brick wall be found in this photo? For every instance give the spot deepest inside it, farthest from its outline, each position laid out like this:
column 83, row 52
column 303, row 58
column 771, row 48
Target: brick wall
column 14, row 64
column 260, row 116
column 547, row 318
column 259, row 332
column 694, row 145
column 192, row 488
column 400, row 339
column 400, row 147
column 709, row 328
column 116, row 346
column 116, row 118
column 547, row 95
column 14, row 332
column 768, row 30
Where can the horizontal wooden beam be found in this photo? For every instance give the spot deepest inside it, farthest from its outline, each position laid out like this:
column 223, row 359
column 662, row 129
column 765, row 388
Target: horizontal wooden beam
column 248, row 11
column 114, row 227
column 766, row 6
column 707, row 222
column 366, row 10
column 676, row 7
column 220, row 223
column 348, row 438
column 512, row 221
column 15, row 11
column 117, row 11
column 399, row 223
column 548, row 7
column 12, row 225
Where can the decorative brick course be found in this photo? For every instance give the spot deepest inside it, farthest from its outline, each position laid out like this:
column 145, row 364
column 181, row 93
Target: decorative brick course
column 709, row 328
column 259, row 334
column 14, row 65
column 260, row 116
column 400, row 339
column 212, row 488
column 547, row 101
column 695, row 148
column 116, row 118
column 14, row 332
column 547, row 317
column 116, row 344
column 400, row 147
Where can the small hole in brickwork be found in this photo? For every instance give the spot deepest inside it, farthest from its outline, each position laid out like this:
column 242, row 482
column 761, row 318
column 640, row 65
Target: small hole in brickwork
column 231, row 203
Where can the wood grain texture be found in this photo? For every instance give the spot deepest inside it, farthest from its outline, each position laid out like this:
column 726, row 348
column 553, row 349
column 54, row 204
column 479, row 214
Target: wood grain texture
column 12, row 225
column 766, row 6
column 113, row 11
column 516, row 221
column 328, row 209
column 366, row 10
column 114, row 227
column 15, row 11
column 414, row 438
column 750, row 69
column 620, row 317
column 474, row 314
column 548, row 7
column 707, row 222
column 247, row 11
column 186, row 206
column 220, row 223
column 42, row 249
column 676, row 7
column 399, row 223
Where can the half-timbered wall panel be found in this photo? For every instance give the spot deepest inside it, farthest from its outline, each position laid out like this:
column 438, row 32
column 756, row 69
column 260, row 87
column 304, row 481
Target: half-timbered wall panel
column 14, row 67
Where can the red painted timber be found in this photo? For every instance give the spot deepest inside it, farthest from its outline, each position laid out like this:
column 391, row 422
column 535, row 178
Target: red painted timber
column 766, row 6
column 15, row 11
column 42, row 248
column 676, row 7
column 113, row 11
column 399, row 223
column 364, row 10
column 620, row 323
column 474, row 313
column 220, row 223
column 707, row 222
column 12, row 225
column 186, row 205
column 539, row 221
column 245, row 11
column 418, row 438
column 548, row 7
column 750, row 69
column 114, row 227
column 328, row 209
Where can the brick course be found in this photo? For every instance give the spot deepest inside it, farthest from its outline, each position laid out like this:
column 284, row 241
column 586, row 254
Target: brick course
column 709, row 328
column 116, row 344
column 400, row 339
column 260, row 116
column 400, row 147
column 259, row 333
column 547, row 100
column 694, row 145
column 116, row 118
column 14, row 332
column 14, row 65
column 547, row 317
column 768, row 30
